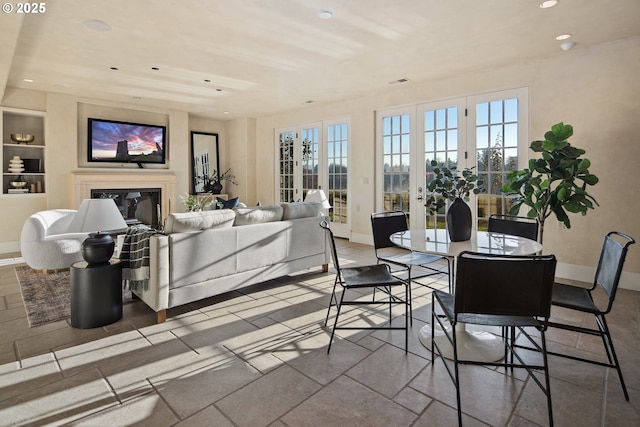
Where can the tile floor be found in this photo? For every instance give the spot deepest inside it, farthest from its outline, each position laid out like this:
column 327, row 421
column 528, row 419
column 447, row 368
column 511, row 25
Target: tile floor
column 259, row 358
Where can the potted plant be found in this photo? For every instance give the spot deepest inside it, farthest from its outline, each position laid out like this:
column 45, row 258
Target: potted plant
column 196, row 203
column 449, row 186
column 554, row 183
column 215, row 180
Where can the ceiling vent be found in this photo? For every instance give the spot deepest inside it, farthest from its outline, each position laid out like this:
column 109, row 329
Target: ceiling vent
column 395, row 82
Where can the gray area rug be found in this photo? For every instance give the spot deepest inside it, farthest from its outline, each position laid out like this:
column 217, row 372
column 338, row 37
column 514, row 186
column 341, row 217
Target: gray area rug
column 47, row 297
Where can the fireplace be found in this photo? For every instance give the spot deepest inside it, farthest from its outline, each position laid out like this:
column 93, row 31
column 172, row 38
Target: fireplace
column 90, row 184
column 137, row 205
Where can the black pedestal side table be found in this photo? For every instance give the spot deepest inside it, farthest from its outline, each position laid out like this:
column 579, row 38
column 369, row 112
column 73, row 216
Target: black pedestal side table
column 96, row 294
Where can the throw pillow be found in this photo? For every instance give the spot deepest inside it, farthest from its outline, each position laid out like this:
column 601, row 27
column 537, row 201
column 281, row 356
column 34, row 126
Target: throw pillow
column 228, row 204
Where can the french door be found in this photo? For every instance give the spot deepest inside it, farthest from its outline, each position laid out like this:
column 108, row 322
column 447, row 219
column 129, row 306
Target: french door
column 315, row 156
column 488, row 132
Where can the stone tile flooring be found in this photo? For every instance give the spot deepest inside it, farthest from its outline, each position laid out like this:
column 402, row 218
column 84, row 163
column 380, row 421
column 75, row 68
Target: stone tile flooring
column 259, row 358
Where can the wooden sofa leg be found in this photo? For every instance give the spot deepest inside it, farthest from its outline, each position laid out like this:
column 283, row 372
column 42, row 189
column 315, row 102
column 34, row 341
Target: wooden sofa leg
column 161, row 316
column 325, row 268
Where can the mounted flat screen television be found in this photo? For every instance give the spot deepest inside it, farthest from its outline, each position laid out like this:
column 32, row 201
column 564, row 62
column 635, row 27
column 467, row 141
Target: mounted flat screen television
column 124, row 142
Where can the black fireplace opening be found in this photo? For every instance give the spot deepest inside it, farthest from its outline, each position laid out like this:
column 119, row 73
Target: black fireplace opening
column 137, row 205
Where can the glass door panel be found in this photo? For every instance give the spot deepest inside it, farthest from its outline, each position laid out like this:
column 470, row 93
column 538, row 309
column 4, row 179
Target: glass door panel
column 286, row 156
column 337, row 160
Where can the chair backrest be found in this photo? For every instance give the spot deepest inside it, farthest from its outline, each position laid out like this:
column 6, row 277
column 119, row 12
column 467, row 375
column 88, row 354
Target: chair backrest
column 514, row 225
column 612, row 257
column 504, row 285
column 384, row 224
column 49, row 223
column 334, row 253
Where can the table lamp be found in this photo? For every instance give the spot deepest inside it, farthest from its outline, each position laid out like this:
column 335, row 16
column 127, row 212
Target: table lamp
column 97, row 217
column 317, row 196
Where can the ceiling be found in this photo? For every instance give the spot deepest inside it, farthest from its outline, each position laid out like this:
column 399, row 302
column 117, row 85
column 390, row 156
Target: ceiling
column 227, row 59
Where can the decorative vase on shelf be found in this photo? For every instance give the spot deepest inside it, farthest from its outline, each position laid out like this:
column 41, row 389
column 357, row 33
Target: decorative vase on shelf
column 216, row 188
column 459, row 221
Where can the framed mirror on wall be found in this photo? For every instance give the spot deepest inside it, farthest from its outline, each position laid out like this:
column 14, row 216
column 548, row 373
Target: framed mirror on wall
column 204, row 161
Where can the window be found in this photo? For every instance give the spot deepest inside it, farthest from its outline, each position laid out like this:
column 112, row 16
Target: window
column 488, row 132
column 315, row 156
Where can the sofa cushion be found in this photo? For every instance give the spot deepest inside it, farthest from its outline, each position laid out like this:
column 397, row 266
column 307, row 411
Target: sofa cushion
column 257, row 214
column 196, row 221
column 300, row 210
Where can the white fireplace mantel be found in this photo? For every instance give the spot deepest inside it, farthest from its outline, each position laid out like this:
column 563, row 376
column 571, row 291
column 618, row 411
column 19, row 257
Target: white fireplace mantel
column 85, row 181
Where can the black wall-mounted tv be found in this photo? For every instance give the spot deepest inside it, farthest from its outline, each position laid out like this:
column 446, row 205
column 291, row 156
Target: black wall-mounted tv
column 124, row 142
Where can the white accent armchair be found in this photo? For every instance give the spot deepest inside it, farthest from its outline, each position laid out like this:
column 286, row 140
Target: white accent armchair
column 45, row 242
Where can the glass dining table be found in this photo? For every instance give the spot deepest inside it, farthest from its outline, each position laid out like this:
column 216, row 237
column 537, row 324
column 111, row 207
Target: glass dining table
column 473, row 344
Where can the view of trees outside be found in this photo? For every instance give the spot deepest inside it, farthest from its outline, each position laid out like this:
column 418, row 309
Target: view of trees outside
column 496, row 154
column 295, row 182
column 396, row 162
column 310, row 160
column 441, row 145
column 287, row 161
column 337, row 145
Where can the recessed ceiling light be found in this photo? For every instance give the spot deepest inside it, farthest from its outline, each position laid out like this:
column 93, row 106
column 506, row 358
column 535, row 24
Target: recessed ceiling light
column 137, row 98
column 548, row 3
column 28, row 80
column 325, row 14
column 226, row 112
column 97, row 25
column 155, row 68
column 113, row 68
column 563, row 37
column 207, row 81
column 309, row 101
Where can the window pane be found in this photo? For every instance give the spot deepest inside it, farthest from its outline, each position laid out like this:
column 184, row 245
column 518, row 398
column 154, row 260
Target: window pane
column 511, row 110
column 482, row 114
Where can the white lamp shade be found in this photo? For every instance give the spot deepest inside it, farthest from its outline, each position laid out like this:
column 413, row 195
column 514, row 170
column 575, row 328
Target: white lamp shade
column 317, row 196
column 97, row 215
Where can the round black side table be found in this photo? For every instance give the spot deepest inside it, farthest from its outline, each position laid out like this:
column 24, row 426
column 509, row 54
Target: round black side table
column 96, row 294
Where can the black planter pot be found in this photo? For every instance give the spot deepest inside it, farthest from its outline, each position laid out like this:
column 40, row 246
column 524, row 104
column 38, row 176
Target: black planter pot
column 97, row 248
column 216, row 188
column 459, row 221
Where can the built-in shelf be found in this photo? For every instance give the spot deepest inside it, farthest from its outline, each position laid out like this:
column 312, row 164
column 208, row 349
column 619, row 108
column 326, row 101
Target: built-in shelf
column 32, row 154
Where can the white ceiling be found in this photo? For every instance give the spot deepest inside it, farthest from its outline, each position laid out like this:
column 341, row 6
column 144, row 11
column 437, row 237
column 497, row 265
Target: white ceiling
column 263, row 56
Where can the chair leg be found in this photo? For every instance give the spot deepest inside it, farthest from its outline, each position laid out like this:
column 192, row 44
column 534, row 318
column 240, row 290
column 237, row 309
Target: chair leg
column 407, row 289
column 410, row 301
column 335, row 322
column 449, row 277
column 333, row 298
column 604, row 328
column 546, row 377
column 433, row 321
column 456, row 374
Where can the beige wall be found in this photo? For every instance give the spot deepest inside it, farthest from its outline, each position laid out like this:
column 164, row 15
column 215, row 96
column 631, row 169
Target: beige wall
column 594, row 89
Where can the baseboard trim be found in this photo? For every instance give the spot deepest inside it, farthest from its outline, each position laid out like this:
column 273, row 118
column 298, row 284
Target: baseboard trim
column 586, row 274
column 9, row 247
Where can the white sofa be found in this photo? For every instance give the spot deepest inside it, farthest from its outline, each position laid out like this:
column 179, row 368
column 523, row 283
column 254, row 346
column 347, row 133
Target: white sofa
column 202, row 254
column 45, row 243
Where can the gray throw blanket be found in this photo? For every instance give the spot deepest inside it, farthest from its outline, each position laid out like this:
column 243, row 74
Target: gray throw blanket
column 135, row 257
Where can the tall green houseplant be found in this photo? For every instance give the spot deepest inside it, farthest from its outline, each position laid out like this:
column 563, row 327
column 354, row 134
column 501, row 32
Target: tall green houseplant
column 554, row 183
